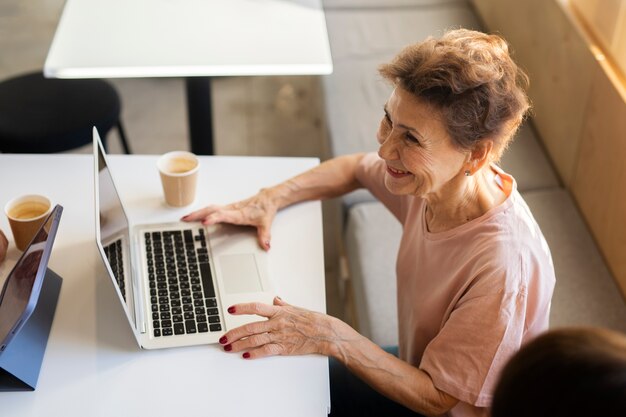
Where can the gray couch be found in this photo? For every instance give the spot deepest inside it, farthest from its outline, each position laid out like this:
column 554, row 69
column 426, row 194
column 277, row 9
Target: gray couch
column 365, row 33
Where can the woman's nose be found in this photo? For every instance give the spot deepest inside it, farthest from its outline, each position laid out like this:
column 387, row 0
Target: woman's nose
column 387, row 149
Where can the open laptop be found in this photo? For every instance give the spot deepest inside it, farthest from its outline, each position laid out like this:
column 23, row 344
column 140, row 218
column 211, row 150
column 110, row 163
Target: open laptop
column 22, row 286
column 176, row 280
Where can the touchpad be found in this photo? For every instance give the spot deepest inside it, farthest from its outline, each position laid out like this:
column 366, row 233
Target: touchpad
column 240, row 273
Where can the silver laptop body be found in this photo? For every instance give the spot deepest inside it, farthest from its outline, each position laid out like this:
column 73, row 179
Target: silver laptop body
column 176, row 280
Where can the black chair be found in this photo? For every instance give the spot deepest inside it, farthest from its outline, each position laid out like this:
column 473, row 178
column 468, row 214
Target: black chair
column 43, row 115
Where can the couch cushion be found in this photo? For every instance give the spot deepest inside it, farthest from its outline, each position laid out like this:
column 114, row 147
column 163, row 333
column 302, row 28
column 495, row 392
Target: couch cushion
column 527, row 162
column 381, row 33
column 372, row 240
column 585, row 292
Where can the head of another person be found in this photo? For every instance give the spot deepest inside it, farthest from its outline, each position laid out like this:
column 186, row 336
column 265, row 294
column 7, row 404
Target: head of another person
column 457, row 102
column 578, row 372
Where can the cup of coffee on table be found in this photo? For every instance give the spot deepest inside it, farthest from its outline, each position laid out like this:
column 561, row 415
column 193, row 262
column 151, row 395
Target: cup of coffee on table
column 179, row 177
column 26, row 214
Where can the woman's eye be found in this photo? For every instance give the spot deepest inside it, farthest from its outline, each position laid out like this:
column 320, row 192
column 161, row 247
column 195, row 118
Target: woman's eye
column 411, row 138
column 387, row 119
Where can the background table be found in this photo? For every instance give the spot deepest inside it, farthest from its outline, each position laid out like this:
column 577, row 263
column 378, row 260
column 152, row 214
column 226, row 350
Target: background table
column 93, row 366
column 196, row 39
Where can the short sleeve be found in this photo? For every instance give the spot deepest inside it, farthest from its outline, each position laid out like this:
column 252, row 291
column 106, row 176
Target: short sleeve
column 480, row 335
column 371, row 174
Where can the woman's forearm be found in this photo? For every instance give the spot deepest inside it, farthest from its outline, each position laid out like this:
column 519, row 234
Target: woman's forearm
column 330, row 179
column 387, row 374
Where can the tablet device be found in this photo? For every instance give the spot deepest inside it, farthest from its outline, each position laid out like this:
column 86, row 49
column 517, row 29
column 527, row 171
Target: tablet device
column 21, row 288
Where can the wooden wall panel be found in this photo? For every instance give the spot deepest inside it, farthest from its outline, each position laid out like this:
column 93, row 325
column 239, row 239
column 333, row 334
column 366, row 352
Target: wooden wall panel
column 607, row 20
column 600, row 178
column 559, row 65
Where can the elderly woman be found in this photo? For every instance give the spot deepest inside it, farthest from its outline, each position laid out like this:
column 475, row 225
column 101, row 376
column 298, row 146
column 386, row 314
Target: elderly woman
column 474, row 273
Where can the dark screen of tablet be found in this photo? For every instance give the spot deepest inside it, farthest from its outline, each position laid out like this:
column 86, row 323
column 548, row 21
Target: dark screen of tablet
column 19, row 283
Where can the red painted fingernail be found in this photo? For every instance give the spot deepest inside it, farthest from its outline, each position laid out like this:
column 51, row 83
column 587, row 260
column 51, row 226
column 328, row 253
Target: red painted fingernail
column 231, row 309
column 228, row 348
column 223, row 340
column 246, row 355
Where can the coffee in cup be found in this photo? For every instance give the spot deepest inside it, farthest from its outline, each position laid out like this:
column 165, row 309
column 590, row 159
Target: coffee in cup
column 26, row 214
column 179, row 177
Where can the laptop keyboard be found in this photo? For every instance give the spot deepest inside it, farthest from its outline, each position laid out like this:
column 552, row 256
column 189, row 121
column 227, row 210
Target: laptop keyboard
column 114, row 253
column 182, row 295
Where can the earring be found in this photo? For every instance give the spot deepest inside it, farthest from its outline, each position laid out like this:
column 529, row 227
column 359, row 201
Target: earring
column 467, row 173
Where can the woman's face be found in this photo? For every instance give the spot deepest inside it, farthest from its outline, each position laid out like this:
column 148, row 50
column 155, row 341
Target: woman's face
column 421, row 158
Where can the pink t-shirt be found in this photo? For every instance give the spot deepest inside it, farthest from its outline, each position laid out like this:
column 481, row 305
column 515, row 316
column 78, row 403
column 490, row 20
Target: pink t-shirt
column 469, row 297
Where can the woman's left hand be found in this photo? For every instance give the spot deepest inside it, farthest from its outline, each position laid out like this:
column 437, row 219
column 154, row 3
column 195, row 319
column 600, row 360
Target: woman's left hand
column 289, row 330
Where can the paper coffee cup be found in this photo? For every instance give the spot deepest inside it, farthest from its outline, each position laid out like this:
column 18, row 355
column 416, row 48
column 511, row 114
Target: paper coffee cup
column 26, row 214
column 179, row 177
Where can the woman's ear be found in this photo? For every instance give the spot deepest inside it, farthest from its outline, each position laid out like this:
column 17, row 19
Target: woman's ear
column 479, row 156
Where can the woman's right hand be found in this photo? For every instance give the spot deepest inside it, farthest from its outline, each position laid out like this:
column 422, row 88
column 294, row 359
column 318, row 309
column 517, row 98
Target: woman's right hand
column 258, row 211
column 4, row 245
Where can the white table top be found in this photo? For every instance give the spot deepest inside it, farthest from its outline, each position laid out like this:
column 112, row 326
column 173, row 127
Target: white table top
column 163, row 38
column 92, row 365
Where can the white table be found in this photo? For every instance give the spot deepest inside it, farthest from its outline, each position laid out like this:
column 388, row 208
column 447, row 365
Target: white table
column 190, row 38
column 93, row 366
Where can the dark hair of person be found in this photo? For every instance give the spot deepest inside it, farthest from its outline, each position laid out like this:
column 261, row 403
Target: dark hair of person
column 471, row 79
column 578, row 372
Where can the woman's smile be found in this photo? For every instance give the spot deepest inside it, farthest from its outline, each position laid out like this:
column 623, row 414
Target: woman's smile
column 396, row 173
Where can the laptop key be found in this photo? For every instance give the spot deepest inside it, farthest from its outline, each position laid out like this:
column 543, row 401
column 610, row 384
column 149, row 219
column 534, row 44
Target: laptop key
column 179, row 328
column 215, row 327
column 167, row 331
column 203, row 328
column 157, row 332
column 207, row 280
column 190, row 325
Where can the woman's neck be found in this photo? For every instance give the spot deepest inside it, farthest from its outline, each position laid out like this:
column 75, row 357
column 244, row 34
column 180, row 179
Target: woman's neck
column 463, row 200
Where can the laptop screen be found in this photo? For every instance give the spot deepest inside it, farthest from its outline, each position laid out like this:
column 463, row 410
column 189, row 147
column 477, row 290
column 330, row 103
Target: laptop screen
column 113, row 220
column 21, row 288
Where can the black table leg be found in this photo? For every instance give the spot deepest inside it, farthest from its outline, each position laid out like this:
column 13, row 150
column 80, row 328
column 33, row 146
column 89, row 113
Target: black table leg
column 198, row 91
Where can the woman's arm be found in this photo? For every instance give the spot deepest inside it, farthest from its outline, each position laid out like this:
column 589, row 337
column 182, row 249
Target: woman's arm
column 392, row 377
column 291, row 330
column 332, row 178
